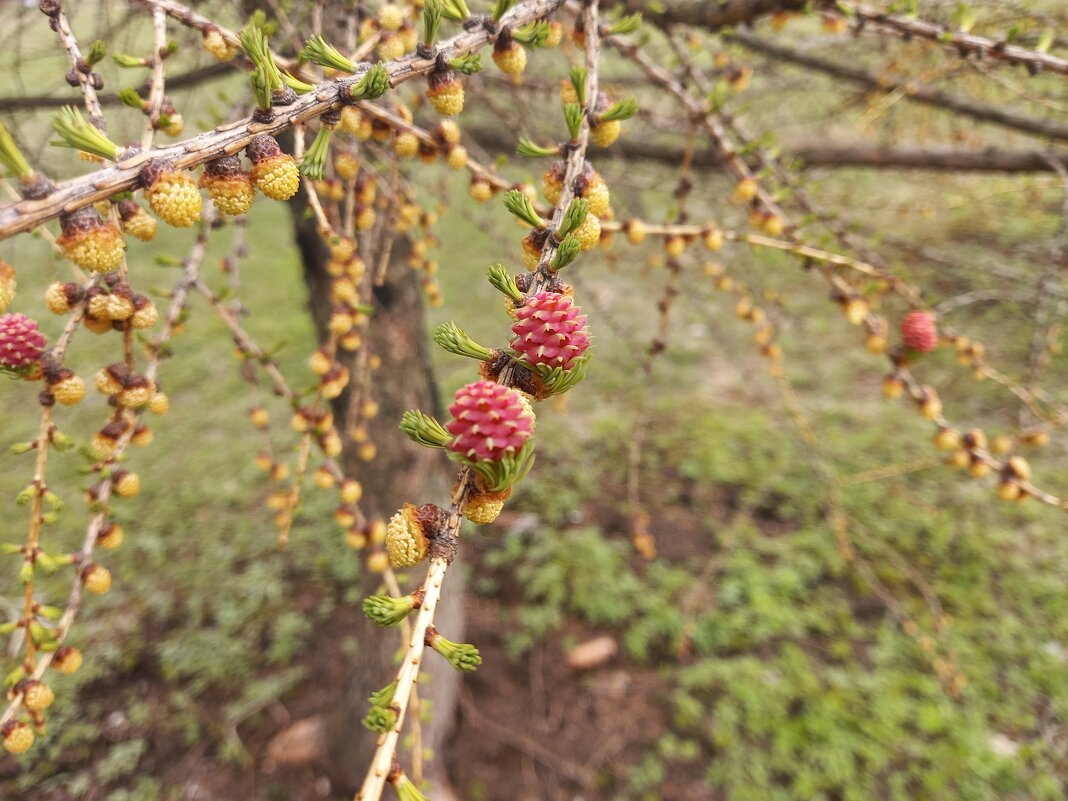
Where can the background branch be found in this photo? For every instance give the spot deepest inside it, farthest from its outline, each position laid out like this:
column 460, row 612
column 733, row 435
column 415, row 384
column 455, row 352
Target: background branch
column 826, row 155
column 183, row 80
column 912, row 90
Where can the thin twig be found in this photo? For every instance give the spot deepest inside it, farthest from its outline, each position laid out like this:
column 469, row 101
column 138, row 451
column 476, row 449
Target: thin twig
column 78, row 64
column 155, row 93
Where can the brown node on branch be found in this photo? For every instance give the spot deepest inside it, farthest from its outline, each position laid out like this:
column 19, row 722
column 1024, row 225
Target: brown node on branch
column 36, row 186
column 435, row 523
column 153, row 170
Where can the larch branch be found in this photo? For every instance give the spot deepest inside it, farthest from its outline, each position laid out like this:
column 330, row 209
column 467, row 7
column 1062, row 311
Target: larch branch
column 230, row 138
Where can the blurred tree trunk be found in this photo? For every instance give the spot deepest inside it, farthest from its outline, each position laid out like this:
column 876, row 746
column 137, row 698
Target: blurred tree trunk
column 401, row 472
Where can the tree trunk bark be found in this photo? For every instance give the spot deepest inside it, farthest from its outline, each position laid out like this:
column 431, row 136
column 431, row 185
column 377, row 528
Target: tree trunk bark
column 401, row 472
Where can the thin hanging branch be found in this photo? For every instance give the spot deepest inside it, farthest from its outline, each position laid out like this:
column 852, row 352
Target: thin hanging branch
column 155, row 93
column 179, row 296
column 81, row 69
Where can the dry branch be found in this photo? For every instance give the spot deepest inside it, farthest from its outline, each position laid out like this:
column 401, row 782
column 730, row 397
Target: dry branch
column 156, row 83
column 938, row 159
column 84, row 76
